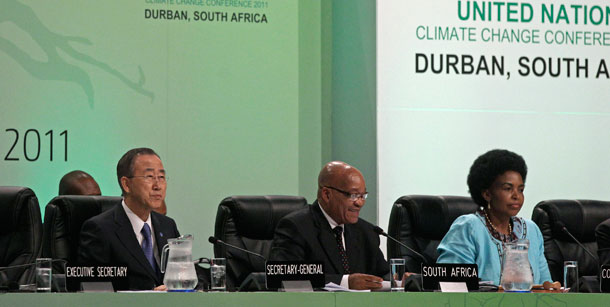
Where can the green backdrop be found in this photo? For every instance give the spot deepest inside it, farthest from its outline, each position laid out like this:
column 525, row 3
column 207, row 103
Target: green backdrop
column 233, row 107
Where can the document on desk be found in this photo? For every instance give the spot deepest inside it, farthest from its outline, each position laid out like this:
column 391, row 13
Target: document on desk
column 141, row 291
column 385, row 286
column 453, row 287
column 333, row 287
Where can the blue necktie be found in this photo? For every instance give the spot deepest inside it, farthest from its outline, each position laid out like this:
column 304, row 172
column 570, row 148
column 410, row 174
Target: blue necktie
column 147, row 247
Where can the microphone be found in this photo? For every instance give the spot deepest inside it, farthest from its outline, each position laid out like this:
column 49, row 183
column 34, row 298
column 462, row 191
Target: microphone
column 380, row 231
column 215, row 241
column 11, row 286
column 4, row 268
column 563, row 228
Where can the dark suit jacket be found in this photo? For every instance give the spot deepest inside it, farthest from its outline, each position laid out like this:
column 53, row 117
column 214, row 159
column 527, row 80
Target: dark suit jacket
column 108, row 238
column 305, row 235
column 602, row 233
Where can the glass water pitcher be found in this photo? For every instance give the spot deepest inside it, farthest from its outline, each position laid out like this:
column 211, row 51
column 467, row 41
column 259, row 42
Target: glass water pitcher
column 517, row 273
column 179, row 272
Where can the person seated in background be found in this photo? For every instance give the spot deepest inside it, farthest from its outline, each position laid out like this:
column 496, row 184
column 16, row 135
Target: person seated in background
column 602, row 234
column 78, row 183
column 132, row 233
column 496, row 182
column 330, row 231
column 162, row 209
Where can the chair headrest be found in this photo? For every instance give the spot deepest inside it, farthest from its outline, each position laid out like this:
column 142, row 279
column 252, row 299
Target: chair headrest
column 101, row 202
column 12, row 200
column 77, row 208
column 432, row 216
column 255, row 217
column 580, row 217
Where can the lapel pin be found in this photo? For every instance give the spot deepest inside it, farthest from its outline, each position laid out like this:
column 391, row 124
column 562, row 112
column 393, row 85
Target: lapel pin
column 161, row 234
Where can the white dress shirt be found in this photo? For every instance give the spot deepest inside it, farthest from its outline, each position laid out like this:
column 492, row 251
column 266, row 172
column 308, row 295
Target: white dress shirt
column 137, row 224
column 333, row 224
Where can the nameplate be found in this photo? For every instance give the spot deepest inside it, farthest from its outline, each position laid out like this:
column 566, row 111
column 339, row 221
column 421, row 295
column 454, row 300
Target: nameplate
column 604, row 278
column 116, row 274
column 450, row 272
column 278, row 271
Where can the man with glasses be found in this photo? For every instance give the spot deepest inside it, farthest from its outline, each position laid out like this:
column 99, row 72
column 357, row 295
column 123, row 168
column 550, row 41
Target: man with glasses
column 330, row 231
column 132, row 233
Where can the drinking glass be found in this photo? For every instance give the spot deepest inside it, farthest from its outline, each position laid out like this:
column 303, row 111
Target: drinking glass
column 397, row 269
column 570, row 275
column 43, row 274
column 218, row 267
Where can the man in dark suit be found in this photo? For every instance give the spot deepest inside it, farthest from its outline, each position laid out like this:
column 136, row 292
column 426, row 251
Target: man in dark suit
column 602, row 233
column 330, row 231
column 78, row 183
column 132, row 233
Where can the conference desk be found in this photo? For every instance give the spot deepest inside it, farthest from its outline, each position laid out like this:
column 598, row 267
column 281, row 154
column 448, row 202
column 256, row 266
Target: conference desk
column 317, row 299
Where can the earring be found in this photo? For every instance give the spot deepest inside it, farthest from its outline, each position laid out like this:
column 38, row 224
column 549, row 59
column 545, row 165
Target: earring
column 489, row 205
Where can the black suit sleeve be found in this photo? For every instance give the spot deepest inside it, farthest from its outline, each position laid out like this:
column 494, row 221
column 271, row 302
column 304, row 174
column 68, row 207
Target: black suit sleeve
column 287, row 245
column 290, row 245
column 176, row 229
column 602, row 233
column 382, row 267
column 92, row 247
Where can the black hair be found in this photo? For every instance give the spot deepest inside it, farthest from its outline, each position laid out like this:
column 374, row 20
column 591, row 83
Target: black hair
column 487, row 167
column 125, row 166
column 67, row 184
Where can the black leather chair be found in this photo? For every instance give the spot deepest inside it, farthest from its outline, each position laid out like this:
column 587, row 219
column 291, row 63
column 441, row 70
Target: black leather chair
column 20, row 235
column 249, row 222
column 580, row 218
column 421, row 222
column 63, row 219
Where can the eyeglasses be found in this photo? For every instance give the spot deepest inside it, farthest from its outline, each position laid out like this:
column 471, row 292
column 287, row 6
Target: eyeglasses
column 152, row 178
column 352, row 196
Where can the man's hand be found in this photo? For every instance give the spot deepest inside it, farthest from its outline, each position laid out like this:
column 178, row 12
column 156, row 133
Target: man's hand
column 160, row 288
column 405, row 276
column 359, row 281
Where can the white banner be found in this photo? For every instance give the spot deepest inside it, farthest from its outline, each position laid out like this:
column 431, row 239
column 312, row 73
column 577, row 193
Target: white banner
column 458, row 78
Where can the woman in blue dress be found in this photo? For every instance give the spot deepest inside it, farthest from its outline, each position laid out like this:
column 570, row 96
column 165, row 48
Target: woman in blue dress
column 496, row 182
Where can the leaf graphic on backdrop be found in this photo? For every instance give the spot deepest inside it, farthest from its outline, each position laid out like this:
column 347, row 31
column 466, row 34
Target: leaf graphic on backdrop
column 56, row 67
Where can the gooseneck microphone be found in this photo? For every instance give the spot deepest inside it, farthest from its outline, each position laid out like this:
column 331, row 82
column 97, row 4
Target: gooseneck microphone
column 13, row 285
column 380, row 231
column 4, row 268
column 215, row 241
column 563, row 228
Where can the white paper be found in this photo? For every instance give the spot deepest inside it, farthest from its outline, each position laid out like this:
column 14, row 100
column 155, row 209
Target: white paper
column 453, row 286
column 385, row 287
column 141, row 291
column 333, row 287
